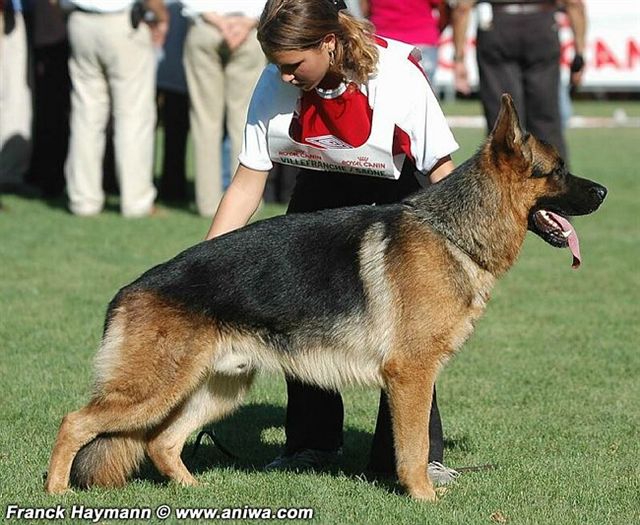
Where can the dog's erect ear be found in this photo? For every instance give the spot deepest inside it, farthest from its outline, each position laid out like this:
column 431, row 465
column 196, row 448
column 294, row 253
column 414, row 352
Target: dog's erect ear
column 507, row 136
column 507, row 130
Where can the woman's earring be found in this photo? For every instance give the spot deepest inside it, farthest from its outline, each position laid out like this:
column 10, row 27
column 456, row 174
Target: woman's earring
column 332, row 57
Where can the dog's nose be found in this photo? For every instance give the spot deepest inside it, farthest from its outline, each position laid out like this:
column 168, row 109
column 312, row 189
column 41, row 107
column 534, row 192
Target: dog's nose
column 600, row 192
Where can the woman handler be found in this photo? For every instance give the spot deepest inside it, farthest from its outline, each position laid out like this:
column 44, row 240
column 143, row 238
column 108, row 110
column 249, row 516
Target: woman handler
column 358, row 116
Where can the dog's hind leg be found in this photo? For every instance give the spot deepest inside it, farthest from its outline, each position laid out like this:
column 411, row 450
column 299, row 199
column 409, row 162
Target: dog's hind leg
column 147, row 365
column 113, row 415
column 80, row 428
column 409, row 387
column 216, row 397
column 75, row 432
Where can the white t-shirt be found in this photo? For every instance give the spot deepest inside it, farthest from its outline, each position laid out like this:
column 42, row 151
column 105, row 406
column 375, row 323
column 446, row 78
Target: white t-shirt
column 421, row 131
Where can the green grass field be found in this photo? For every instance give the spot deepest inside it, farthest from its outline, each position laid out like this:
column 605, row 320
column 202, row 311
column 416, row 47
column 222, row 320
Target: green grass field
column 547, row 389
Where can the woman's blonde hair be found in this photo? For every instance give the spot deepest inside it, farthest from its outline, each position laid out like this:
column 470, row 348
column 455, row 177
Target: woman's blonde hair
column 298, row 25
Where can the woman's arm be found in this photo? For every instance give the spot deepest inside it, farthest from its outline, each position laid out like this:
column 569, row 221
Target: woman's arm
column 577, row 14
column 240, row 201
column 460, row 16
column 441, row 169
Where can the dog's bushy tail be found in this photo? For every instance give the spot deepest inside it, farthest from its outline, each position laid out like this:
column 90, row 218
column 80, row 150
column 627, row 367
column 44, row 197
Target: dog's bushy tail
column 108, row 461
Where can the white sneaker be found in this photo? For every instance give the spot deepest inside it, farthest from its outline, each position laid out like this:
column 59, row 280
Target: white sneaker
column 441, row 475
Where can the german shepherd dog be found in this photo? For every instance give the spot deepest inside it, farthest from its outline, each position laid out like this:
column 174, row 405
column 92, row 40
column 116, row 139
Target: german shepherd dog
column 371, row 295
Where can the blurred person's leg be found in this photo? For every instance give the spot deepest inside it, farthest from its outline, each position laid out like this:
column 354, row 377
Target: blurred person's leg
column 89, row 115
column 51, row 117
column 564, row 102
column 173, row 109
column 542, row 80
column 130, row 65
column 241, row 75
column 205, row 78
column 175, row 116
column 498, row 66
column 15, row 104
column 226, row 156
column 109, row 178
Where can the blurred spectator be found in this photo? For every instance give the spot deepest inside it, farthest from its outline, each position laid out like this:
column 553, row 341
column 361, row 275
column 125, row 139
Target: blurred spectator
column 51, row 99
column 113, row 62
column 575, row 11
column 518, row 52
column 15, row 97
column 417, row 22
column 173, row 107
column 223, row 61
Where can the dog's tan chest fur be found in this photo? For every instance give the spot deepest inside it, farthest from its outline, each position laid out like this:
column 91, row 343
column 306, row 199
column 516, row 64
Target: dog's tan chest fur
column 479, row 283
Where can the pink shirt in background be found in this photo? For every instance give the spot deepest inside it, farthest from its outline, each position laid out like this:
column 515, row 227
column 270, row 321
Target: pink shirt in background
column 410, row 21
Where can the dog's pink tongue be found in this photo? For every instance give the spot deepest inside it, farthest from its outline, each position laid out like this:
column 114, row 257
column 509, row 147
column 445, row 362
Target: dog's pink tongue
column 574, row 242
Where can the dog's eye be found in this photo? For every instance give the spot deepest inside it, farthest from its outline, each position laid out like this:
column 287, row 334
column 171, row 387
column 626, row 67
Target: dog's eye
column 556, row 173
column 537, row 173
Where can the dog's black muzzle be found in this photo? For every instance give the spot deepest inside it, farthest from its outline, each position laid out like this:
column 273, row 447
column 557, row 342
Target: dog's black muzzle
column 581, row 197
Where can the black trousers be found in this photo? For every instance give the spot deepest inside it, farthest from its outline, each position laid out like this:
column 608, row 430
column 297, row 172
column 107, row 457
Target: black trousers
column 50, row 118
column 520, row 55
column 315, row 416
column 173, row 109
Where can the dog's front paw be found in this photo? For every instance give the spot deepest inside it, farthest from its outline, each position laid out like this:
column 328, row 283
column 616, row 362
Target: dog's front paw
column 424, row 493
column 187, row 481
column 51, row 487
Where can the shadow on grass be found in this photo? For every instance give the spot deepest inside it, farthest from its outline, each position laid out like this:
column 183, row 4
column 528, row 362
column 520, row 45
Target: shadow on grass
column 183, row 202
column 459, row 443
column 242, row 435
